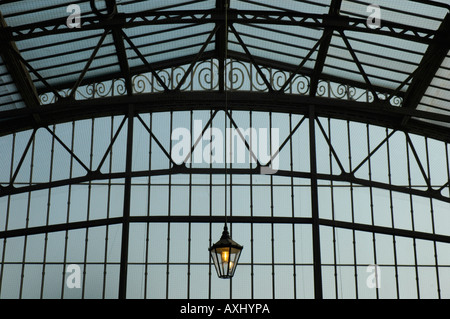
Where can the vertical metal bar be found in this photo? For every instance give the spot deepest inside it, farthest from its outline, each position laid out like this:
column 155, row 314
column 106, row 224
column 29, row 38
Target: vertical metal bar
column 252, row 273
column 190, row 214
column 412, row 218
column 230, row 185
column 371, row 203
column 447, row 159
column 8, row 206
column 108, row 209
column 335, row 252
column 168, row 213
column 46, row 244
column 210, row 213
column 69, row 193
column 291, row 163
column 432, row 221
column 126, row 207
column 392, row 210
column 352, row 206
column 33, row 146
column 222, row 75
column 271, row 211
column 147, row 239
column 91, row 155
column 318, row 293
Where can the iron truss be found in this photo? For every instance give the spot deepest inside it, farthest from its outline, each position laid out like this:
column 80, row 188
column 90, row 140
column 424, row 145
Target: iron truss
column 312, row 112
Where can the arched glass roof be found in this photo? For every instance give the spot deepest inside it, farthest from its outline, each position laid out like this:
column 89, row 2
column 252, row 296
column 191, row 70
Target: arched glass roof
column 397, row 53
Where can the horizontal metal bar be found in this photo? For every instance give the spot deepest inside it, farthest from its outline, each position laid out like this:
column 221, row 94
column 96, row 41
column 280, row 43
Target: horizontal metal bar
column 429, row 193
column 59, row 227
column 130, row 20
column 231, row 219
column 385, row 230
column 371, row 113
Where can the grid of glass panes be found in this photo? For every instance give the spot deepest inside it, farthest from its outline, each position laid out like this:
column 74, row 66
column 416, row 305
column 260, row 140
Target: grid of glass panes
column 175, row 218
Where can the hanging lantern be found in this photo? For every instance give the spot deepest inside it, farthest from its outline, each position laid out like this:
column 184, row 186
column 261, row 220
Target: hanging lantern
column 225, row 254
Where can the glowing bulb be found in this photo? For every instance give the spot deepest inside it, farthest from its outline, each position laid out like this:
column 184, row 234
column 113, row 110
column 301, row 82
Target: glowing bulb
column 225, row 255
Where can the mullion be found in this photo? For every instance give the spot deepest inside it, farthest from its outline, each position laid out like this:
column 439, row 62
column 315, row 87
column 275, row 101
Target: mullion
column 330, row 155
column 88, row 211
column 210, row 210
column 190, row 214
column 11, row 171
column 432, row 222
column 69, row 196
column 448, row 166
column 352, row 205
column 230, row 186
column 372, row 215
column 252, row 280
column 394, row 245
column 271, row 211
column 168, row 213
column 318, row 283
column 46, row 239
column 33, row 147
column 147, row 239
column 412, row 219
column 293, row 204
column 108, row 208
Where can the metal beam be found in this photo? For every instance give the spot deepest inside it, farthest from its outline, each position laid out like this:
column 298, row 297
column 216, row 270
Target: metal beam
column 126, row 207
column 318, row 288
column 19, row 74
column 123, row 60
column 431, row 62
column 371, row 113
column 323, row 51
column 221, row 41
column 182, row 169
column 58, row 26
column 220, row 220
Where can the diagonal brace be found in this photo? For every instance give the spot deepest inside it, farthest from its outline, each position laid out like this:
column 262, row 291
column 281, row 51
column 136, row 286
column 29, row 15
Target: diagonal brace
column 252, row 60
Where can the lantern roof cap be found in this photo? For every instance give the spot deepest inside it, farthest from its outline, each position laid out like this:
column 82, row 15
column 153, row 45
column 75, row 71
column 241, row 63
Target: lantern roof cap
column 226, row 241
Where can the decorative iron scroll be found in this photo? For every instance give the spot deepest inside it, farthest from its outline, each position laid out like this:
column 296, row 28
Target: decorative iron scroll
column 239, row 76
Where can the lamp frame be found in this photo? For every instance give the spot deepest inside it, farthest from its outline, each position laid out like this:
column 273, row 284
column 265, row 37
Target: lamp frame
column 225, row 242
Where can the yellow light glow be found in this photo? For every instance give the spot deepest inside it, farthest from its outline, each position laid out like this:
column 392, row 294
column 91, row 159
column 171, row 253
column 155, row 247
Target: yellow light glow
column 225, row 256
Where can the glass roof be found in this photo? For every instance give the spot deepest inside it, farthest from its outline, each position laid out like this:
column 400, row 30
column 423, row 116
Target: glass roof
column 327, row 40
